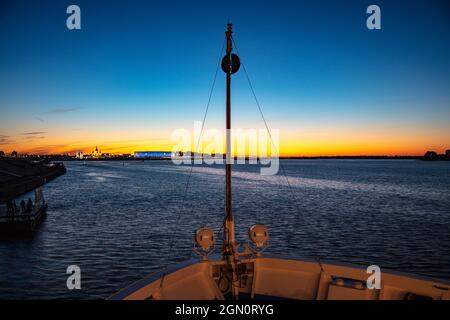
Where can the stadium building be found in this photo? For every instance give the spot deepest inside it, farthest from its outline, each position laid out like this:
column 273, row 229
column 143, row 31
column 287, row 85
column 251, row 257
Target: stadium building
column 153, row 154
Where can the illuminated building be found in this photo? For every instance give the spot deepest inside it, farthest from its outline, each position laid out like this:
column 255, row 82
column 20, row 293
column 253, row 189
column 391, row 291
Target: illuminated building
column 153, row 154
column 96, row 154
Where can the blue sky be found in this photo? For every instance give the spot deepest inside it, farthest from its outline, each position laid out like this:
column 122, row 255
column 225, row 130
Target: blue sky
column 144, row 67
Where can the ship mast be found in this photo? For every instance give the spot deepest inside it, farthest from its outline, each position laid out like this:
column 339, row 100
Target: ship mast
column 230, row 65
column 229, row 220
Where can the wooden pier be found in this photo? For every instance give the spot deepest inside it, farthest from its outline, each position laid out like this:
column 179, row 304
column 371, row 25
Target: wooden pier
column 19, row 176
column 22, row 223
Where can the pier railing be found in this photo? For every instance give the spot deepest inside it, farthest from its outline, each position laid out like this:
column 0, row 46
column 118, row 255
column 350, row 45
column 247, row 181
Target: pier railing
column 18, row 216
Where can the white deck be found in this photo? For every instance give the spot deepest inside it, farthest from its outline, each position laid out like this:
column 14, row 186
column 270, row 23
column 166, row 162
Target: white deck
column 275, row 277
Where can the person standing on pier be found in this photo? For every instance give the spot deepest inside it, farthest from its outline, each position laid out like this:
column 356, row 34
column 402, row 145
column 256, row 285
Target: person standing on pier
column 9, row 208
column 29, row 205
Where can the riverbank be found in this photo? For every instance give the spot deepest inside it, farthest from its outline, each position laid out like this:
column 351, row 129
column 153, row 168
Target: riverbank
column 119, row 158
column 18, row 176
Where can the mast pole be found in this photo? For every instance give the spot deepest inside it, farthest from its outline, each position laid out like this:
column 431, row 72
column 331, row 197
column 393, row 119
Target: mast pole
column 229, row 220
column 230, row 65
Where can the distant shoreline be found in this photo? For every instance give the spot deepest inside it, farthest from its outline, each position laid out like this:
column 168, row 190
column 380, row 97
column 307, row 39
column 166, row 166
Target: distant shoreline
column 118, row 158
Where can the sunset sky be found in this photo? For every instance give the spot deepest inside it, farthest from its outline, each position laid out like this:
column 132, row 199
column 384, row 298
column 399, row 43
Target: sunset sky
column 138, row 70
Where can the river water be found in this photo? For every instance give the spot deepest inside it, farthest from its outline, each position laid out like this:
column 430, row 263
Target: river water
column 121, row 221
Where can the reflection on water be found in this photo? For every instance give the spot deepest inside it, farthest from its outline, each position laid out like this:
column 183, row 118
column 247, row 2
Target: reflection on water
column 116, row 220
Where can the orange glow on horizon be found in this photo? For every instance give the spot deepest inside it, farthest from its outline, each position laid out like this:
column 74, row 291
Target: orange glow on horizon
column 291, row 146
column 325, row 140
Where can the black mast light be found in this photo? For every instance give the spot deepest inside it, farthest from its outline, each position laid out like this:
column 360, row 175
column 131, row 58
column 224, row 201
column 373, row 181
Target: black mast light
column 231, row 63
